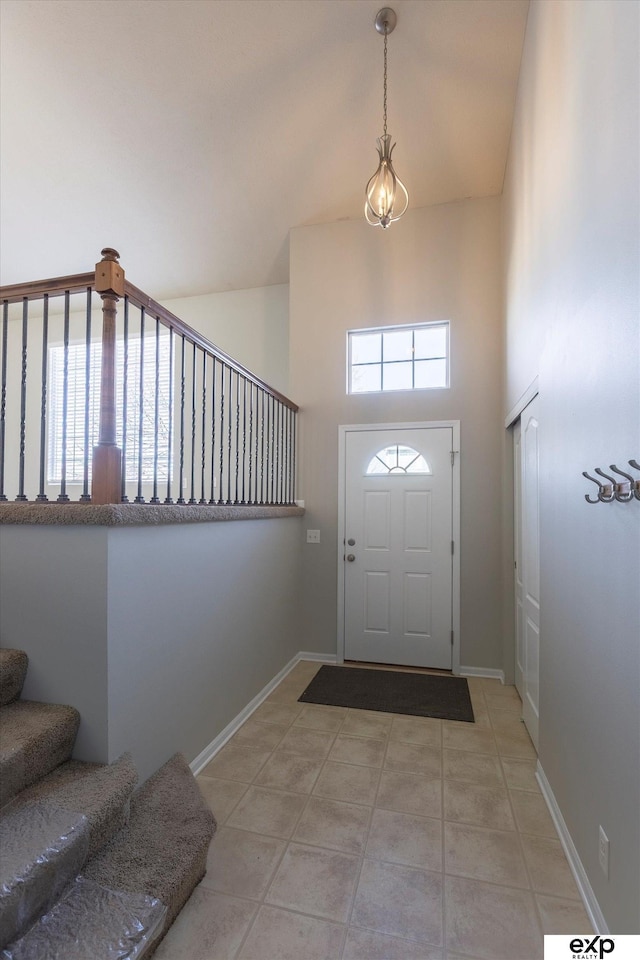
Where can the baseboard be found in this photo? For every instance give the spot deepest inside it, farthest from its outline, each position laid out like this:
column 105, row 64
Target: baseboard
column 585, row 889
column 482, row 672
column 316, row 657
column 209, row 752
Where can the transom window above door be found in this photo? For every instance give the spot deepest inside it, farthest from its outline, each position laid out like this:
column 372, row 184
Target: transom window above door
column 398, row 358
column 397, row 459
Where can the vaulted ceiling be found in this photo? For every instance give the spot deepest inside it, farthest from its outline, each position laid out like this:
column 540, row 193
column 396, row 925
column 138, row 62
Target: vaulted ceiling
column 193, row 134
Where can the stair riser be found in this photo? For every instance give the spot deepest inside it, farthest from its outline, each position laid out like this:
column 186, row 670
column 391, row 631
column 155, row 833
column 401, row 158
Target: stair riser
column 38, row 883
column 49, row 832
column 13, row 669
column 34, row 740
column 25, row 768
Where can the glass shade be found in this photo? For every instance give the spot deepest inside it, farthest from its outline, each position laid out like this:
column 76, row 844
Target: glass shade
column 387, row 197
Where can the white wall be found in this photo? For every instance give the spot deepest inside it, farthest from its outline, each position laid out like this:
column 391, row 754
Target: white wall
column 572, row 305
column 159, row 635
column 201, row 618
column 53, row 604
column 252, row 326
column 439, row 263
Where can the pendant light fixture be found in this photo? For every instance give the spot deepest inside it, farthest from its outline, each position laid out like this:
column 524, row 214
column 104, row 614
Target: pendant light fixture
column 386, row 195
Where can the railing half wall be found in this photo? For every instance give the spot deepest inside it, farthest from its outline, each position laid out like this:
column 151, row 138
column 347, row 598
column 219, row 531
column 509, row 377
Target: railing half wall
column 108, row 397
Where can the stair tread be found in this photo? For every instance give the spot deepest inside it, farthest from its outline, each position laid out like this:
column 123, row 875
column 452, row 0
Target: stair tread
column 98, row 791
column 48, row 832
column 163, row 850
column 35, row 738
column 13, row 669
column 90, row 920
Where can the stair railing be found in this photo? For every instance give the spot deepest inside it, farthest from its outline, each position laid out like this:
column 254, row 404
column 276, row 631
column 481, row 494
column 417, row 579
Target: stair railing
column 148, row 410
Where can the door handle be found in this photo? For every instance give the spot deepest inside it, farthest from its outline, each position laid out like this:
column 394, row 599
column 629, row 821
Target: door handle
column 350, row 557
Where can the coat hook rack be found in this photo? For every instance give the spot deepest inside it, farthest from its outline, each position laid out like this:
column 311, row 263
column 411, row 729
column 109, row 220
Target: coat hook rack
column 624, row 491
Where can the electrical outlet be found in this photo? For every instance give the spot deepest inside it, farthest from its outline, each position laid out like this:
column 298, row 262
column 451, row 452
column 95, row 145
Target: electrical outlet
column 313, row 536
column 603, row 851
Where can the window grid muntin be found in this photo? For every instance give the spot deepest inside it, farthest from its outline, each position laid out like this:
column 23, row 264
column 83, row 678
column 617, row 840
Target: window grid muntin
column 386, row 453
column 382, row 363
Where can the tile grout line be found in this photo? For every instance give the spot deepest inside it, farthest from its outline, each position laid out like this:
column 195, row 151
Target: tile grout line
column 532, row 891
column 364, row 847
column 261, row 902
column 372, row 807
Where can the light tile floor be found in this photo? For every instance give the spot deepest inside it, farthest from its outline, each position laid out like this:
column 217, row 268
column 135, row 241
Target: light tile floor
column 349, row 835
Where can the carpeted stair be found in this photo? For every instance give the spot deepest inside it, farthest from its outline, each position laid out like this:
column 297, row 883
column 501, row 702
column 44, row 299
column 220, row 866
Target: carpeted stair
column 13, row 669
column 88, row 869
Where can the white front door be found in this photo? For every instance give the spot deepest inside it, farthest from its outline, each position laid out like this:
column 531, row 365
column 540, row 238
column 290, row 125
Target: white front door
column 398, row 546
column 530, row 552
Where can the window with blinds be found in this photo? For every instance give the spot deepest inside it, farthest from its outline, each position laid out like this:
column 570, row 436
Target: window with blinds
column 83, row 407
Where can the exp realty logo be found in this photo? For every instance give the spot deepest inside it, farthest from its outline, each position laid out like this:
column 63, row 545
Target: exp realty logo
column 591, row 947
column 585, row 949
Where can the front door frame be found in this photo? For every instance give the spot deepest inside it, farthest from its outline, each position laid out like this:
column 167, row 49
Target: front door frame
column 343, row 430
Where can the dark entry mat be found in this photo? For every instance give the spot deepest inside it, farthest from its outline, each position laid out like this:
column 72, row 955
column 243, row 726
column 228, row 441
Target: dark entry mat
column 415, row 694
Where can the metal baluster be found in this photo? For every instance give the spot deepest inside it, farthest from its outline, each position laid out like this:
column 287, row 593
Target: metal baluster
column 213, row 430
column 285, row 455
column 292, row 468
column 238, row 438
column 268, row 498
column 280, row 453
column 169, row 498
column 276, row 448
column 273, row 449
column 181, row 464
column 139, row 498
column 3, row 395
column 156, row 418
column 261, row 398
column 251, row 500
column 256, row 447
column 290, row 458
column 244, row 438
column 267, row 453
column 86, row 495
column 42, row 497
column 236, row 500
column 230, row 418
column 62, row 496
column 204, row 415
column 220, row 499
column 192, row 498
column 125, row 400
column 23, row 399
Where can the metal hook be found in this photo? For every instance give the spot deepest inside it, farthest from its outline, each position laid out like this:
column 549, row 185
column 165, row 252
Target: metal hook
column 601, row 489
column 636, row 483
column 606, row 475
column 623, row 495
column 607, row 494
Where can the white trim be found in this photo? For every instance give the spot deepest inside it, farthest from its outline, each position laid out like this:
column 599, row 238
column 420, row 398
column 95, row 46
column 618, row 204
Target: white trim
column 209, row 752
column 454, row 425
column 591, row 904
column 316, row 657
column 526, row 398
column 482, row 672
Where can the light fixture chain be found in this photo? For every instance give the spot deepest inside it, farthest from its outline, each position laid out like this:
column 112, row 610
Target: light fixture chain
column 385, row 79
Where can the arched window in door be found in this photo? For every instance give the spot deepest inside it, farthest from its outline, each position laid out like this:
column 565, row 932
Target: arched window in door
column 397, row 458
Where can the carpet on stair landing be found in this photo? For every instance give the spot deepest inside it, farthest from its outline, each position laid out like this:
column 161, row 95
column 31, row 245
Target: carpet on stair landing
column 391, row 691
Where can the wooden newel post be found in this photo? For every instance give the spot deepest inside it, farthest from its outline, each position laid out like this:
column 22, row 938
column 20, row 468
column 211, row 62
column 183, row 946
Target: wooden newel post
column 106, row 478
